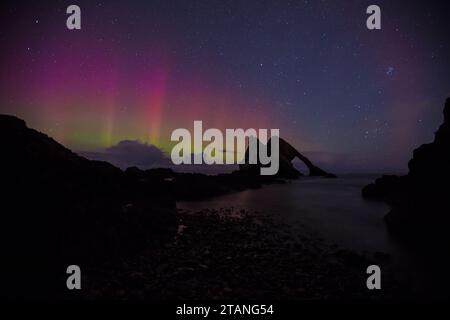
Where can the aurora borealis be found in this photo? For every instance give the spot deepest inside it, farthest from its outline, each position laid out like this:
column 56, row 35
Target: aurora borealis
column 356, row 99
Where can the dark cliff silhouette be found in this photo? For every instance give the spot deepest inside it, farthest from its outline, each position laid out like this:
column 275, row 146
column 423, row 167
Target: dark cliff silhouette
column 60, row 209
column 420, row 201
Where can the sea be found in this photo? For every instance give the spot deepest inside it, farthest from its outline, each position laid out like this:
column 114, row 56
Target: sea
column 332, row 209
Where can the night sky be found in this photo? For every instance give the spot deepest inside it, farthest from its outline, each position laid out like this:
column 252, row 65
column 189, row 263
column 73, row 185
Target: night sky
column 352, row 99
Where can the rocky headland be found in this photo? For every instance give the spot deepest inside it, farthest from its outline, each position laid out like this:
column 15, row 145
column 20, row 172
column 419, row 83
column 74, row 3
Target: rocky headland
column 420, row 201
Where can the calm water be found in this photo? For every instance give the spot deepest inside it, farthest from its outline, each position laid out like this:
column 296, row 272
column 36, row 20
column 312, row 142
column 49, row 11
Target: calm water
column 333, row 209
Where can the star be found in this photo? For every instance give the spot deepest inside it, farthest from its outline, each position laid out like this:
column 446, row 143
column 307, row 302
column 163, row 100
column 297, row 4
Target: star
column 390, row 71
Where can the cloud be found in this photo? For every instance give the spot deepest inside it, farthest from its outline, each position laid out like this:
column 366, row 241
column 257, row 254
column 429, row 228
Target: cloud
column 129, row 153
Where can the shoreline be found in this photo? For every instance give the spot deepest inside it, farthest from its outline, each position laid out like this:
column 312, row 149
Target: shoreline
column 229, row 254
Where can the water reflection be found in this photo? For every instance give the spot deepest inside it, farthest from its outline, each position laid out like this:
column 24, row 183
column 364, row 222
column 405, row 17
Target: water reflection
column 331, row 208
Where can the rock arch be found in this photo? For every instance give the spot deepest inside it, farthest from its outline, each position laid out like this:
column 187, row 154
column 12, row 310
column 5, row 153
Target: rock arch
column 287, row 170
